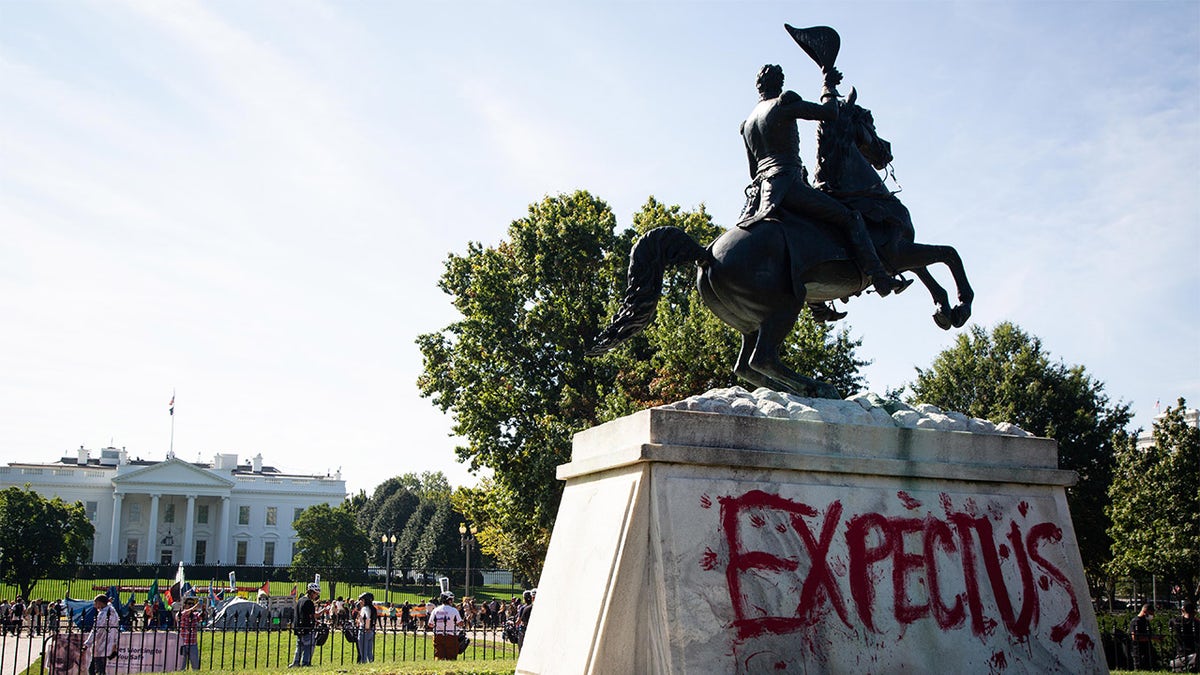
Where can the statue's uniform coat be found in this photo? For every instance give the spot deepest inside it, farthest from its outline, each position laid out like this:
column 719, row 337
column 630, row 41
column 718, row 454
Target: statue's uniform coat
column 773, row 151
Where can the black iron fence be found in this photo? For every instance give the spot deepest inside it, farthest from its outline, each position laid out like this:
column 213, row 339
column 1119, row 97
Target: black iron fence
column 60, row 648
column 246, row 624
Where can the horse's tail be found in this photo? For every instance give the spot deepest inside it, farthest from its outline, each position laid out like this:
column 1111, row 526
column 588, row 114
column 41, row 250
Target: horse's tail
column 657, row 250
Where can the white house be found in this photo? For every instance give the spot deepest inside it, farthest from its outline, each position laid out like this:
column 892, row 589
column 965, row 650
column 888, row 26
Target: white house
column 171, row 510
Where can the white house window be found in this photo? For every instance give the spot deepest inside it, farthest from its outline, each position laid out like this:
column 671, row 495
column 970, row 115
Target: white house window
column 202, row 514
column 90, row 509
column 135, row 514
column 269, row 553
column 242, row 547
column 296, row 514
column 272, row 515
column 201, row 551
column 131, row 550
column 169, row 513
column 243, row 517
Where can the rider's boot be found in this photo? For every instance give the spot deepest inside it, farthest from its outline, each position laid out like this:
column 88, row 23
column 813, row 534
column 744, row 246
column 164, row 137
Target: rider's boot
column 864, row 254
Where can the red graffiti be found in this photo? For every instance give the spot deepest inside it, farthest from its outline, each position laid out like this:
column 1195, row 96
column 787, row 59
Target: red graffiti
column 1023, row 507
column 705, row 502
column 908, row 501
column 998, row 662
column 1084, row 643
column 910, row 552
column 709, row 560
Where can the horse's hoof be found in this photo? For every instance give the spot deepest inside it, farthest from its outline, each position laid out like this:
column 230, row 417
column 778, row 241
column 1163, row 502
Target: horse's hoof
column 942, row 320
column 960, row 315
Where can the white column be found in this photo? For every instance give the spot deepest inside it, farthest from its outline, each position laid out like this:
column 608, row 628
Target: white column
column 223, row 537
column 151, row 555
column 114, row 539
column 188, row 544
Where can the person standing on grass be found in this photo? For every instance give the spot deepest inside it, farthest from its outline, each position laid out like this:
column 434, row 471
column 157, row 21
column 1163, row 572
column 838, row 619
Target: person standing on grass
column 366, row 618
column 306, row 625
column 1140, row 632
column 445, row 621
column 189, row 633
column 103, row 638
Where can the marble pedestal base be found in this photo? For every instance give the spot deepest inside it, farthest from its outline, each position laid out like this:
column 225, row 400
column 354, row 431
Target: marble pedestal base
column 692, row 542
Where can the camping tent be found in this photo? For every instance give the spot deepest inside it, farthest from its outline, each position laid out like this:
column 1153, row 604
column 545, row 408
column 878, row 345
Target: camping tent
column 237, row 613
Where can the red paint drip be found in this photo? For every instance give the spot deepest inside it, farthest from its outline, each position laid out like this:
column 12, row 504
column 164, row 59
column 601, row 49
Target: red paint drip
column 1083, row 643
column 705, row 502
column 708, row 561
column 998, row 662
column 1023, row 507
column 908, row 501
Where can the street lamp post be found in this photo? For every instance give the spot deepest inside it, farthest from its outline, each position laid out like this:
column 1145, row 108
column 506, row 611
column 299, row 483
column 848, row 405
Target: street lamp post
column 467, row 540
column 389, row 545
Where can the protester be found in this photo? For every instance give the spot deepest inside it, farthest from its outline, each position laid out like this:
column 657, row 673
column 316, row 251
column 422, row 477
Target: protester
column 445, row 622
column 305, row 626
column 366, row 619
column 523, row 617
column 103, row 637
column 189, row 628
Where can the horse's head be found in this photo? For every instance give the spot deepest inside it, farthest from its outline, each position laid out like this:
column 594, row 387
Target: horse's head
column 861, row 126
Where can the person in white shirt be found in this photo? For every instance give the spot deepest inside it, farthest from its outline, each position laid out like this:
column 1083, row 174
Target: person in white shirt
column 445, row 621
column 103, row 638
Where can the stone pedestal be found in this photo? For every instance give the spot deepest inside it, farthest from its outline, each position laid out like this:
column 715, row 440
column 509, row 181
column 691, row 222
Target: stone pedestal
column 692, row 542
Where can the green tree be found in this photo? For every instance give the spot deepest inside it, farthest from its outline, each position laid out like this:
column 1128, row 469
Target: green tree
column 1155, row 503
column 40, row 537
column 1007, row 376
column 512, row 370
column 329, row 541
column 394, row 501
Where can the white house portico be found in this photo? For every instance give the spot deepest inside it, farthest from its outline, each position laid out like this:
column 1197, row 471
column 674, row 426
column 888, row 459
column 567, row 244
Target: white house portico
column 162, row 512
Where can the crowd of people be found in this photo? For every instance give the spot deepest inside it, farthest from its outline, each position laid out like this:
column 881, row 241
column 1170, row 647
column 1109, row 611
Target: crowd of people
column 360, row 620
column 37, row 616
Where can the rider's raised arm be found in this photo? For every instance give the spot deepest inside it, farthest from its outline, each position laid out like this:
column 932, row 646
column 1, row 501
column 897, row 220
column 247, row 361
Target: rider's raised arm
column 794, row 106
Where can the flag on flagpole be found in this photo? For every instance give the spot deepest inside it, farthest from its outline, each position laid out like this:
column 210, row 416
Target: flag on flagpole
column 266, row 587
column 295, row 587
column 212, row 594
column 171, row 407
column 152, row 593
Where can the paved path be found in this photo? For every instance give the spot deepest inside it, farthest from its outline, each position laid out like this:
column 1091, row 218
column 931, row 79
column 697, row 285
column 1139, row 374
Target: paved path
column 16, row 653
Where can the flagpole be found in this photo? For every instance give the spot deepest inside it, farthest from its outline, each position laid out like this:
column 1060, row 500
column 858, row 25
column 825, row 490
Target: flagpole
column 171, row 452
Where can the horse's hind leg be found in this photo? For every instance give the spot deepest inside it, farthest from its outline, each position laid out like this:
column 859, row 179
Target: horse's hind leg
column 743, row 370
column 765, row 358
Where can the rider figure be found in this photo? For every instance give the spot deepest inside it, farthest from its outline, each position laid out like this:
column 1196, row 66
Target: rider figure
column 773, row 149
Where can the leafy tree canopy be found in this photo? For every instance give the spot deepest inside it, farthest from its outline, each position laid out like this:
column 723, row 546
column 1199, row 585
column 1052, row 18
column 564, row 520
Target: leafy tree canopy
column 40, row 537
column 329, row 541
column 1006, row 376
column 1155, row 502
column 512, row 370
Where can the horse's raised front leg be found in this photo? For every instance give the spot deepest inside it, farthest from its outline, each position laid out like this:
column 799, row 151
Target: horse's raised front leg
column 940, row 299
column 913, row 256
column 765, row 358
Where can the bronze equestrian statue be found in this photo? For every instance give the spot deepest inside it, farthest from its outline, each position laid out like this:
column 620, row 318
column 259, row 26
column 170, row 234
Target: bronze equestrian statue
column 793, row 247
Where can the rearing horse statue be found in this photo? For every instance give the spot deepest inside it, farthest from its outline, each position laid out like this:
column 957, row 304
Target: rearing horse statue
column 757, row 280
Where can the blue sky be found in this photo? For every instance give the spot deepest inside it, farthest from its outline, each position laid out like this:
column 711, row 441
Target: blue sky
column 250, row 202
